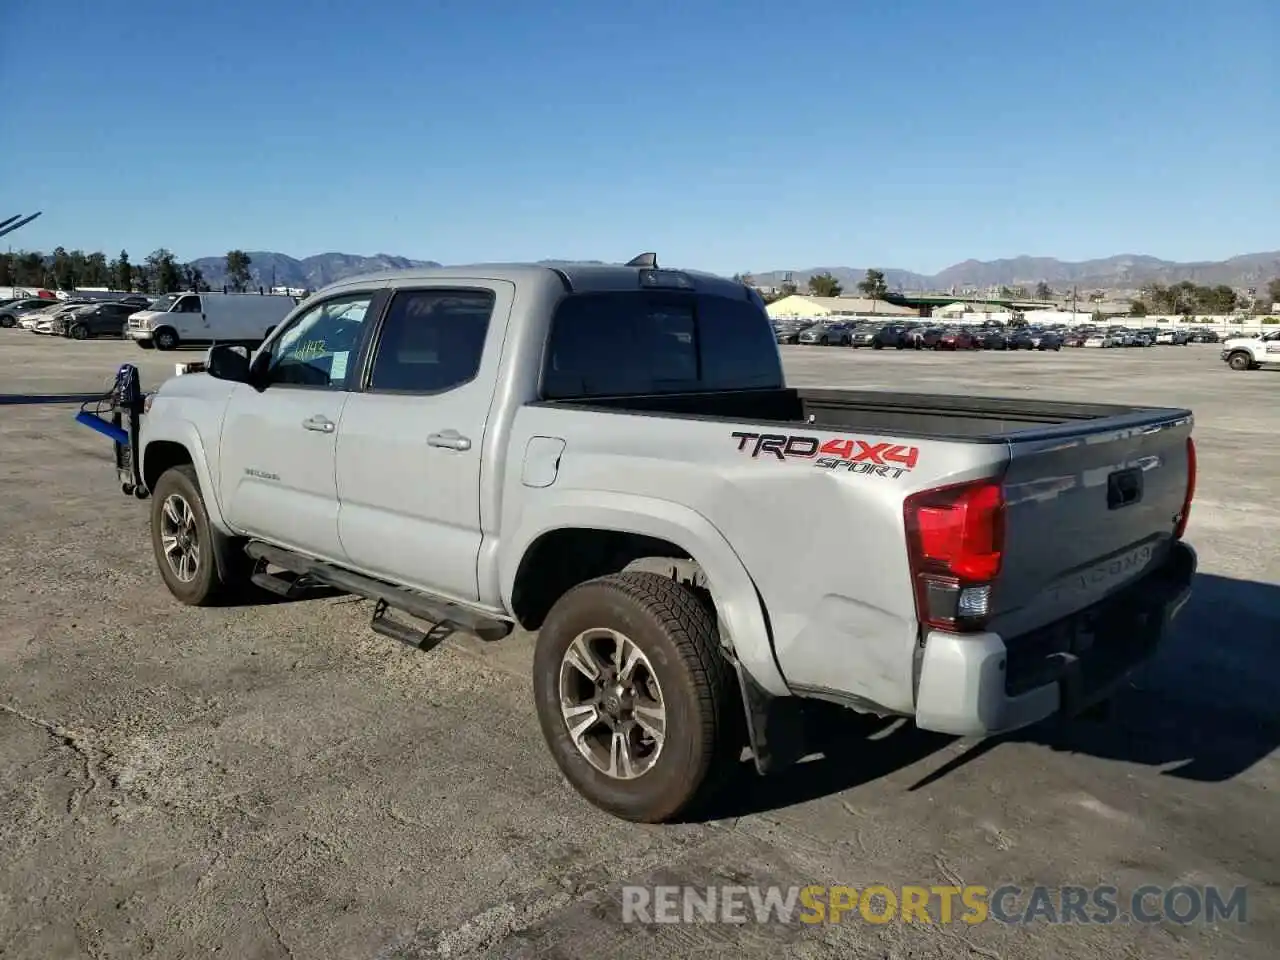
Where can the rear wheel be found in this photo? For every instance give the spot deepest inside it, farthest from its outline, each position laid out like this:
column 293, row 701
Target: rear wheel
column 634, row 697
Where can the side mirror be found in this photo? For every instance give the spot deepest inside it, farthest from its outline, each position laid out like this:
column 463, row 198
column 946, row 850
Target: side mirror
column 228, row 362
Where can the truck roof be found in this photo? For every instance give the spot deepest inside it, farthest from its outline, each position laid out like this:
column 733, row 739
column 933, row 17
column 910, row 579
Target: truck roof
column 577, row 277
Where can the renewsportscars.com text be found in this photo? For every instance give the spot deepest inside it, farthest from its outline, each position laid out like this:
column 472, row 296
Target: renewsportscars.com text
column 940, row 904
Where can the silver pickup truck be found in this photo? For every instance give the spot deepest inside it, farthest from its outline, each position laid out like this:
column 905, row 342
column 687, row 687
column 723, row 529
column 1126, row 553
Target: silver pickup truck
column 610, row 456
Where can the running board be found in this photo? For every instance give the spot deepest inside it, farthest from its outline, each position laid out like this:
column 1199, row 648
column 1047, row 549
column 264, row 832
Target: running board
column 436, row 610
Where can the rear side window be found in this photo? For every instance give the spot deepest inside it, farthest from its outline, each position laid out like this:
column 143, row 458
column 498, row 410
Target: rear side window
column 618, row 344
column 431, row 341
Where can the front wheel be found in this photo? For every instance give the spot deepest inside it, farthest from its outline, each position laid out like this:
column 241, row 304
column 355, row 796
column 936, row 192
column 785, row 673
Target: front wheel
column 79, row 332
column 165, row 339
column 634, row 697
column 7, row 321
column 1240, row 361
column 187, row 547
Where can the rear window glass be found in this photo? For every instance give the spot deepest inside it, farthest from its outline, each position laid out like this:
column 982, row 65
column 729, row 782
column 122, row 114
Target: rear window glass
column 618, row 344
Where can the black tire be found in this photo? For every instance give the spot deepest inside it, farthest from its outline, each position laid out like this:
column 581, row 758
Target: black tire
column 1240, row 360
column 145, row 344
column 79, row 332
column 824, row 342
column 677, row 634
column 6, row 321
column 222, row 571
column 166, row 338
column 877, row 346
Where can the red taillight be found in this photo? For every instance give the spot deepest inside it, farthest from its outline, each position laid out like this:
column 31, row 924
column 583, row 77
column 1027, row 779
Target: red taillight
column 1185, row 515
column 955, row 539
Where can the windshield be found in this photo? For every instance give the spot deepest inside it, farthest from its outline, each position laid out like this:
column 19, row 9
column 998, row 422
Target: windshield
column 163, row 304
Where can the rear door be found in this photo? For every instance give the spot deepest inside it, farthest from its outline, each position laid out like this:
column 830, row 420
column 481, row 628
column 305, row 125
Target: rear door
column 277, row 445
column 1088, row 511
column 409, row 445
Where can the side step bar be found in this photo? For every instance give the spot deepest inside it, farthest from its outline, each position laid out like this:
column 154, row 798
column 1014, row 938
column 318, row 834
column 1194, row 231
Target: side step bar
column 446, row 614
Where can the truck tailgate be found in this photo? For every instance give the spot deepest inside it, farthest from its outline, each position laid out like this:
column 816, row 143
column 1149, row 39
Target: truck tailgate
column 1089, row 508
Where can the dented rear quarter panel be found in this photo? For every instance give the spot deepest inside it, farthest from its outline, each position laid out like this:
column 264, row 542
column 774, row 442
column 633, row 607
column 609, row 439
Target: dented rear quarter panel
column 824, row 545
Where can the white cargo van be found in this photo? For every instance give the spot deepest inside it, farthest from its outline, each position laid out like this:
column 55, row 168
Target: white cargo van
column 203, row 318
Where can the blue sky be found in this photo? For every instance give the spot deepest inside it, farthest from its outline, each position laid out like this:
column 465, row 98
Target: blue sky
column 725, row 135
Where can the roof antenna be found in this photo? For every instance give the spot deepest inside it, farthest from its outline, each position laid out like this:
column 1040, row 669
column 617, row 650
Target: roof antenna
column 647, row 260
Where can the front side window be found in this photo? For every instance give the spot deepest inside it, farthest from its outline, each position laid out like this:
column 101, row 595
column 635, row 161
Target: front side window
column 318, row 347
column 188, row 304
column 431, row 340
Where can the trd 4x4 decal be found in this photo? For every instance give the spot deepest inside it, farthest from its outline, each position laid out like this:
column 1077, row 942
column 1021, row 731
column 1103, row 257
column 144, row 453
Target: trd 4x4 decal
column 856, row 456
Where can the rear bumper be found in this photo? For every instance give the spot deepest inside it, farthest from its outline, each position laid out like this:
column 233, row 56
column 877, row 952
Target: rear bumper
column 980, row 684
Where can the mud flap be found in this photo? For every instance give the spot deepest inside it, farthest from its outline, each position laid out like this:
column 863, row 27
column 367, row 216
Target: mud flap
column 775, row 725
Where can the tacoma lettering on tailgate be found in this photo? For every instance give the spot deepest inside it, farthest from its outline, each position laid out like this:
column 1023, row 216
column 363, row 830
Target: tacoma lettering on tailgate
column 856, row 456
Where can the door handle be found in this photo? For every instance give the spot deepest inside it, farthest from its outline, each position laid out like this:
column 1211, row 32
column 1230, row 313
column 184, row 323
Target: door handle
column 450, row 440
column 318, row 423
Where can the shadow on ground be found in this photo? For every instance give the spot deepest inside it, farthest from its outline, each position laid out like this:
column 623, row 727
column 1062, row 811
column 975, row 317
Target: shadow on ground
column 1205, row 707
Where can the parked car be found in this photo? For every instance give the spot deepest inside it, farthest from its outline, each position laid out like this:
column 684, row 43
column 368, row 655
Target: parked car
column 1178, row 338
column 14, row 313
column 1047, row 340
column 863, row 335
column 1203, row 335
column 956, row 340
column 32, row 319
column 1021, row 340
column 788, row 331
column 96, row 320
column 1100, row 340
column 993, row 338
column 669, row 613
column 896, row 335
column 1075, row 338
column 833, row 334
column 14, row 309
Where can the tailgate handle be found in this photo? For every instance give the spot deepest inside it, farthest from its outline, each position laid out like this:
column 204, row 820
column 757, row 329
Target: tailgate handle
column 1124, row 487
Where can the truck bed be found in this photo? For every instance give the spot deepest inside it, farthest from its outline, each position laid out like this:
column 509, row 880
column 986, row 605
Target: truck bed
column 914, row 415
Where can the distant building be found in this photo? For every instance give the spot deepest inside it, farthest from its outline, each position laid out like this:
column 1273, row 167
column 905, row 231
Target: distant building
column 802, row 305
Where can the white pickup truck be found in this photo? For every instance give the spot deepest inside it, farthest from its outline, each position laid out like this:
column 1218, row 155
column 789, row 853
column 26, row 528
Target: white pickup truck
column 609, row 455
column 1250, row 353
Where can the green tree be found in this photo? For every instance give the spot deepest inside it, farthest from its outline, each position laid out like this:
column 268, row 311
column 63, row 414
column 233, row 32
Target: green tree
column 1044, row 291
column 122, row 272
column 163, row 269
column 193, row 278
column 1137, row 308
column 96, row 273
column 873, row 285
column 29, row 269
column 786, row 290
column 64, row 274
column 238, row 263
column 824, row 285
column 1273, row 292
column 6, row 270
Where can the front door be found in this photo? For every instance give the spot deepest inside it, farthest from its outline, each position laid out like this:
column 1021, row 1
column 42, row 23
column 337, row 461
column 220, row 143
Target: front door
column 278, row 444
column 409, row 444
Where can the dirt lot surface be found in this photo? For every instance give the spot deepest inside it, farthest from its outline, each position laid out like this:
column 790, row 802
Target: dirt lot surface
column 277, row 781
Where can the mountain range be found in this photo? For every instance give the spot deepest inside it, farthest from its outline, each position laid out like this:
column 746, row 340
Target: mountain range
column 1119, row 273
column 1125, row 272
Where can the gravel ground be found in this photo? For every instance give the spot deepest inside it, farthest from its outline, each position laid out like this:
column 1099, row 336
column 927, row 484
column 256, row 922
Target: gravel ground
column 277, row 781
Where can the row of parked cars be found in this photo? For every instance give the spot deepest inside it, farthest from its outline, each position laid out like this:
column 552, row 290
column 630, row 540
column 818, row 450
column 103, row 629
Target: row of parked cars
column 77, row 318
column 912, row 335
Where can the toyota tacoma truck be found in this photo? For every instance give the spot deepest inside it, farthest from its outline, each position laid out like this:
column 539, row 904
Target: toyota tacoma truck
column 610, row 456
